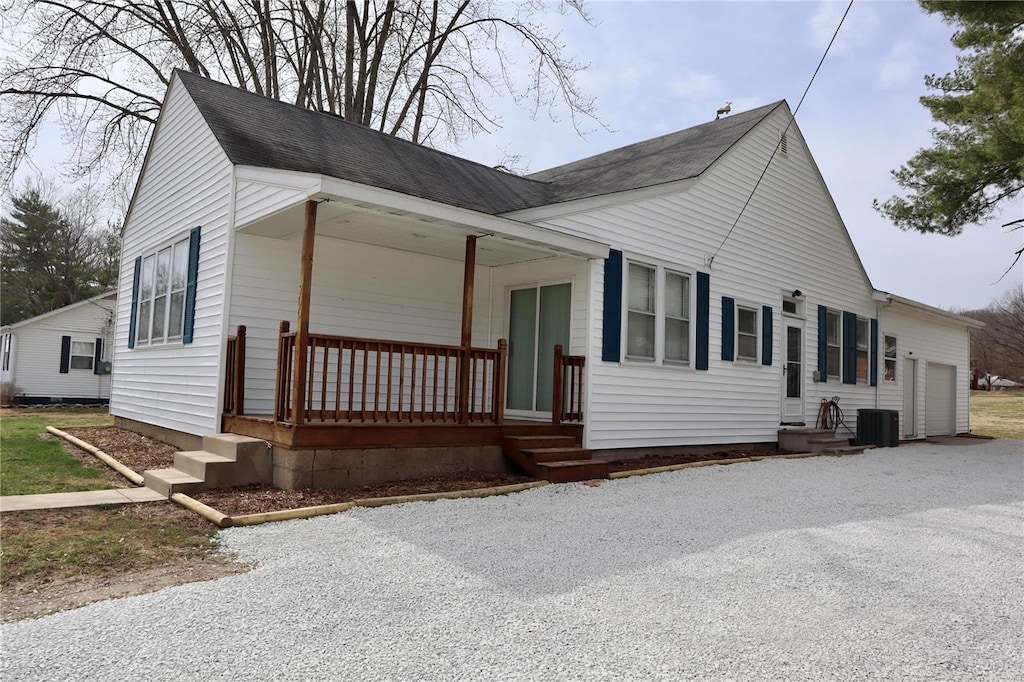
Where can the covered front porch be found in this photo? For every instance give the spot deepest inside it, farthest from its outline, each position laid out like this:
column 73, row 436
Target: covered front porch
column 399, row 333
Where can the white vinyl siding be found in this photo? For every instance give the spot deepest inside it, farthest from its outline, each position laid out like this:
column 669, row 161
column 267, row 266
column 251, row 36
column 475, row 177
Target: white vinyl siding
column 928, row 340
column 788, row 238
column 186, row 182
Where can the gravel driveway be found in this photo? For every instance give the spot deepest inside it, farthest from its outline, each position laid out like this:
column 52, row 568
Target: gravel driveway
column 900, row 563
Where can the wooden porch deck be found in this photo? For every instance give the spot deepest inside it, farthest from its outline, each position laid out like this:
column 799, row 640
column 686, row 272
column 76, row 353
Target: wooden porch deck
column 361, row 434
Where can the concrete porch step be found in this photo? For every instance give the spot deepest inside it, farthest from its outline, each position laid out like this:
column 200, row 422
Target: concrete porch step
column 820, row 444
column 226, row 460
column 845, row 450
column 169, row 481
column 797, row 440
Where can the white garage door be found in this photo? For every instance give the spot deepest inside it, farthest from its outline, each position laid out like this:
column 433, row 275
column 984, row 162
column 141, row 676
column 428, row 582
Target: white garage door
column 940, row 400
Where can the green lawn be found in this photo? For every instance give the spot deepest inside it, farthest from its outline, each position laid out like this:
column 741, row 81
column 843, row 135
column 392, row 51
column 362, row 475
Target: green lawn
column 32, row 461
column 997, row 413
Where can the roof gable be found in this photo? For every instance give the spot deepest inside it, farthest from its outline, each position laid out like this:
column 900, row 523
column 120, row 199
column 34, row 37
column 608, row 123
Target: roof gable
column 108, row 295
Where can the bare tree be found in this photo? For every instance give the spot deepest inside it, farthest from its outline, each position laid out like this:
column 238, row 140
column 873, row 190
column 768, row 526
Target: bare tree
column 420, row 70
column 998, row 348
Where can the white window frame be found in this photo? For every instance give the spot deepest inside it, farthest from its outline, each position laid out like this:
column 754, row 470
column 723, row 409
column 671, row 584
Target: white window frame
column 756, row 335
column 5, row 348
column 886, row 358
column 661, row 271
column 863, row 346
column 90, row 356
column 144, row 329
column 838, row 345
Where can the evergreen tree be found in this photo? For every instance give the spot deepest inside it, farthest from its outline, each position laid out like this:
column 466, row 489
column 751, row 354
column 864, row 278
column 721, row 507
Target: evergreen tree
column 49, row 258
column 976, row 163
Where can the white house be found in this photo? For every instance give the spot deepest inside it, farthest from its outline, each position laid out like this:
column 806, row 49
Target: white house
column 683, row 318
column 60, row 356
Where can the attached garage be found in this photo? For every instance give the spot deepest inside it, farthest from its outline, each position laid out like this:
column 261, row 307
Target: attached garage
column 940, row 400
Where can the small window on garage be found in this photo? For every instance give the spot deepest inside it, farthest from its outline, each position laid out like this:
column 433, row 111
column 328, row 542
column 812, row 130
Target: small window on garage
column 82, row 353
column 890, row 357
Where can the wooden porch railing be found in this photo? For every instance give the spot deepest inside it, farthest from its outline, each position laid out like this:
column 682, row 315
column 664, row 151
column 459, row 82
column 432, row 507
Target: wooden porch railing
column 567, row 388
column 234, row 376
column 354, row 379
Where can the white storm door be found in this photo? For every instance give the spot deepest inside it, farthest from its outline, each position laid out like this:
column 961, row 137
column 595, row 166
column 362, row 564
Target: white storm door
column 792, row 371
column 538, row 320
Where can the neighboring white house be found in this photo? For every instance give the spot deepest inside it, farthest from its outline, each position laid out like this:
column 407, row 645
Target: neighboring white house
column 696, row 328
column 62, row 355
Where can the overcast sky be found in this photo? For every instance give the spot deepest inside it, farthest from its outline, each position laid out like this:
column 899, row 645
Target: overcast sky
column 657, row 67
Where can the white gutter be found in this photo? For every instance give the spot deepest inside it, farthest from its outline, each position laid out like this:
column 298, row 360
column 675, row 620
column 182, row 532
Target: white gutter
column 889, row 299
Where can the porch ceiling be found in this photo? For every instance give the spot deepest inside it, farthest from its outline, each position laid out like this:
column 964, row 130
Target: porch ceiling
column 395, row 229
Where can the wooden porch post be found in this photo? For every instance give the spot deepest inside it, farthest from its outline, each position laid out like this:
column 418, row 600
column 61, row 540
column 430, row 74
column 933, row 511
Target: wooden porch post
column 467, row 328
column 556, row 387
column 302, row 329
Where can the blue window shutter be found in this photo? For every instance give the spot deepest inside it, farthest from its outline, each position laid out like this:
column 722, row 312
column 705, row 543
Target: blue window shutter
column 823, row 343
column 849, row 347
column 135, row 302
column 190, row 288
column 766, row 335
column 65, row 354
column 728, row 329
column 611, row 330
column 703, row 320
column 874, row 352
column 97, row 356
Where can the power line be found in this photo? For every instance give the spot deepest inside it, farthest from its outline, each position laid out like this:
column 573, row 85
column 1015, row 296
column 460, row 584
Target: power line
column 792, row 118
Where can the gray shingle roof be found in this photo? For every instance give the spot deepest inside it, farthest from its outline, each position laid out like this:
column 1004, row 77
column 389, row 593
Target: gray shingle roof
column 263, row 132
column 676, row 156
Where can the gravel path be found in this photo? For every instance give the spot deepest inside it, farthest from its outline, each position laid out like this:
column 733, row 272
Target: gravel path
column 901, row 563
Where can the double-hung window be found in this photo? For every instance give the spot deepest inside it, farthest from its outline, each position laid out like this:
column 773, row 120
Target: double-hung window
column 162, row 286
column 642, row 313
column 657, row 314
column 863, row 366
column 834, row 344
column 890, row 358
column 746, row 333
column 82, row 354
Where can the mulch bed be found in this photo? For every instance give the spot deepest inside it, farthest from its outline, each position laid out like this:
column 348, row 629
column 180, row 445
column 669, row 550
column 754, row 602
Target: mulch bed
column 139, row 453
column 651, row 461
column 257, row 499
column 135, row 451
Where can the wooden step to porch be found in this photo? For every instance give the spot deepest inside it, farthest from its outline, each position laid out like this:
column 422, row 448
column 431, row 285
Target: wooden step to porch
column 568, row 471
column 558, row 459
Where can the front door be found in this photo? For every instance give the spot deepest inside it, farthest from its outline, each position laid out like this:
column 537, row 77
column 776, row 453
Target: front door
column 793, row 371
column 538, row 320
